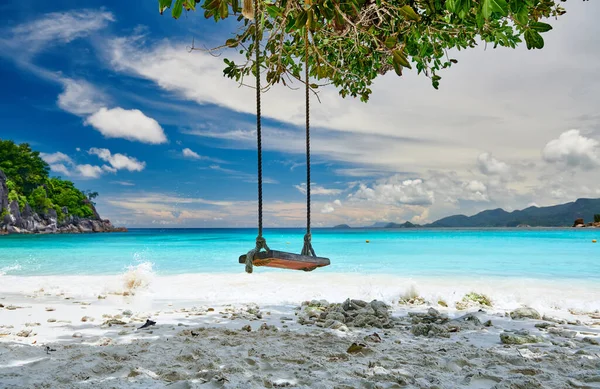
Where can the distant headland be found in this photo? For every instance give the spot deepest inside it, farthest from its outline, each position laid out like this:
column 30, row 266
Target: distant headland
column 580, row 213
column 33, row 202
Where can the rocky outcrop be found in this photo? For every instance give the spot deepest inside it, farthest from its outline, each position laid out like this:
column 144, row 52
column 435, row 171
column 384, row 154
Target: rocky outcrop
column 579, row 223
column 3, row 192
column 25, row 221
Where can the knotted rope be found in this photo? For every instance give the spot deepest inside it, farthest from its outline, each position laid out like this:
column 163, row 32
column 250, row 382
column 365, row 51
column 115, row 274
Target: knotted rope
column 261, row 244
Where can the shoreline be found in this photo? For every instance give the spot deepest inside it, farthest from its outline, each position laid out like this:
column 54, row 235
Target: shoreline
column 143, row 284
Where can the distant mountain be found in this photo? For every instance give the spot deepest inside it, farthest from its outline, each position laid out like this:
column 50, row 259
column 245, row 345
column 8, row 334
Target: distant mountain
column 341, row 227
column 378, row 225
column 561, row 215
column 403, row 225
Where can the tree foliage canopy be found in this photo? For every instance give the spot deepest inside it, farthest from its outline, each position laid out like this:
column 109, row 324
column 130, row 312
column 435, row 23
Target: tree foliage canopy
column 29, row 182
column 351, row 42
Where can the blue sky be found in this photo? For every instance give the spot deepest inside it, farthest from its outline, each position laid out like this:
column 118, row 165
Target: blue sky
column 115, row 101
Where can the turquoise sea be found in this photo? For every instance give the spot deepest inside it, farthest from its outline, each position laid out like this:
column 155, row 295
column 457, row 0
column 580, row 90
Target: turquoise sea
column 531, row 253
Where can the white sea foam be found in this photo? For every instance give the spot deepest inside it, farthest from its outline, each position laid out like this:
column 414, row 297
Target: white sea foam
column 294, row 287
column 138, row 277
column 7, row 269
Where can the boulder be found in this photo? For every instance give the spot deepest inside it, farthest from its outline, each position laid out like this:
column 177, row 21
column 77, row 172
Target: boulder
column 525, row 313
column 336, row 316
column 97, row 226
column 27, row 211
column 3, row 192
column 366, row 320
column 508, row 338
column 430, row 330
column 8, row 219
column 85, row 226
column 14, row 210
column 578, row 222
column 51, row 216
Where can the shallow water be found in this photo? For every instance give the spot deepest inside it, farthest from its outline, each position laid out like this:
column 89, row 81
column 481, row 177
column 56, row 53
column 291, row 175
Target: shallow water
column 548, row 254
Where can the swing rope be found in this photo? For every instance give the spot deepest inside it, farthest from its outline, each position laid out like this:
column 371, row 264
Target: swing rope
column 261, row 243
column 307, row 249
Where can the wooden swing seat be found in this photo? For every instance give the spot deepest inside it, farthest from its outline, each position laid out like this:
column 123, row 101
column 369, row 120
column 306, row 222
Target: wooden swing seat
column 283, row 260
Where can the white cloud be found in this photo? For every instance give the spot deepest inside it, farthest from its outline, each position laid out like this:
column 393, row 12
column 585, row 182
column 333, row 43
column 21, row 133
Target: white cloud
column 57, row 157
column 573, row 150
column 61, row 27
column 317, row 190
column 123, row 183
column 60, row 168
column 118, row 161
column 327, row 208
column 491, row 166
column 127, row 124
column 89, row 171
column 338, row 203
column 395, row 191
column 189, row 153
column 80, row 97
column 63, row 164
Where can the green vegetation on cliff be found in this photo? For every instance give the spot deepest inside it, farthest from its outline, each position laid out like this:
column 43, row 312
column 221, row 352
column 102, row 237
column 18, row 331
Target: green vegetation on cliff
column 29, row 182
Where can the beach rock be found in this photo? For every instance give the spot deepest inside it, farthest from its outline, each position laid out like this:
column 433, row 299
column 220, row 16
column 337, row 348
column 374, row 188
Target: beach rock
column 77, row 335
column 24, row 333
column 554, row 319
column 508, row 338
column 519, row 383
column 562, row 332
column 429, row 330
column 267, row 327
column 333, row 324
column 543, row 325
column 467, row 322
column 431, row 316
column 473, row 300
column 592, row 341
column 114, row 322
column 579, row 223
column 127, row 312
column 525, row 313
column 380, row 308
column 87, row 318
column 335, row 316
column 366, row 320
column 51, row 320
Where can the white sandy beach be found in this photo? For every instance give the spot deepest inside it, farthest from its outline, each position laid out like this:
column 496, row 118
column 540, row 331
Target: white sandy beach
column 55, row 333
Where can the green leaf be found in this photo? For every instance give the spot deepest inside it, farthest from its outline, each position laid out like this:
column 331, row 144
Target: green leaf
column 189, row 5
column 391, row 42
column 177, row 9
column 399, row 57
column 224, row 9
column 494, row 6
column 163, row 5
column 540, row 27
column 231, row 42
column 534, row 40
column 302, row 18
column 409, row 13
column 451, row 5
